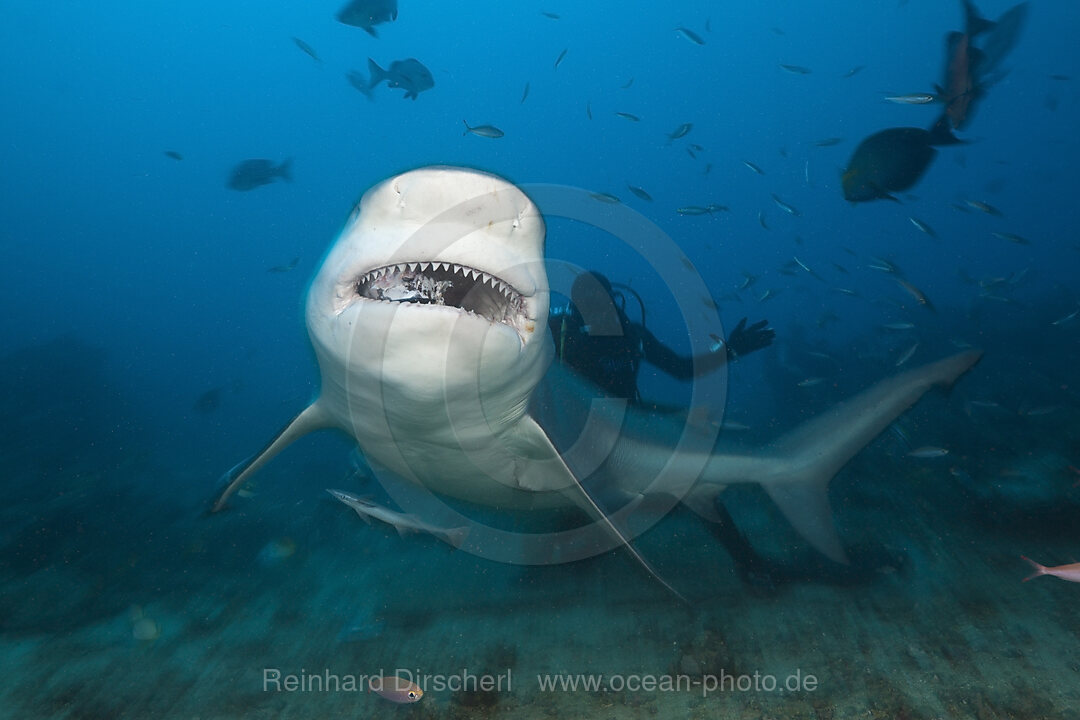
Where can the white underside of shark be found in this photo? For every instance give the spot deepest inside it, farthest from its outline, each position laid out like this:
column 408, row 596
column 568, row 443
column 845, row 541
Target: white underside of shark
column 429, row 320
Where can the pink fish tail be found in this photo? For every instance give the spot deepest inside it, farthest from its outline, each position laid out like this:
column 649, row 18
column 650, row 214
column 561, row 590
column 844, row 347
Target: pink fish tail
column 1039, row 569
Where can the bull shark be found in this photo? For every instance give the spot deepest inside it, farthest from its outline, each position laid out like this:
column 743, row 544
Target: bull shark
column 429, row 322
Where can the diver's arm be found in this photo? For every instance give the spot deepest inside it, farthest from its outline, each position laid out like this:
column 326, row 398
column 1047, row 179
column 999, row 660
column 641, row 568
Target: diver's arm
column 677, row 366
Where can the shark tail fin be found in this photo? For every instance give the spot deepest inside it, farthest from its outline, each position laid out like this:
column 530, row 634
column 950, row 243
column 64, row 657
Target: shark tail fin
column 312, row 418
column 285, row 170
column 1038, row 569
column 797, row 476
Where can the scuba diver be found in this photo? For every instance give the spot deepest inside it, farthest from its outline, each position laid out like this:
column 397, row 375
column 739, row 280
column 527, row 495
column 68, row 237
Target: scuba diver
column 595, row 338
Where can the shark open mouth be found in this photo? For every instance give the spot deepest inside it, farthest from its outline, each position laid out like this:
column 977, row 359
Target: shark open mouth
column 441, row 283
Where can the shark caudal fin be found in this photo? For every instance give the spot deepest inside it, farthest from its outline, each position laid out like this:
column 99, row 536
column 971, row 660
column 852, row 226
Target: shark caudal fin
column 312, row 418
column 796, row 474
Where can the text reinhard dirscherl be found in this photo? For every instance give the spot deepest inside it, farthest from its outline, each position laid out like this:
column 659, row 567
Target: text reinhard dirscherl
column 274, row 680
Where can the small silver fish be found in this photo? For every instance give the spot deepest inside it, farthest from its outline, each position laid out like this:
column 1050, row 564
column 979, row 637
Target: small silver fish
column 913, row 99
column 680, row 131
column 404, row 524
column 396, row 689
column 690, row 35
column 828, row 142
column 796, row 69
column 898, row 326
column 882, row 265
column 811, row 382
column 983, row 207
column 559, row 59
column 640, row 192
column 629, row 116
column 916, row 293
column 1011, row 237
column 923, row 227
column 488, row 131
column 307, row 49
column 284, row 268
column 928, row 451
column 526, row 93
column 605, row 198
column 753, row 167
column 1067, row 318
column 907, row 355
column 785, row 207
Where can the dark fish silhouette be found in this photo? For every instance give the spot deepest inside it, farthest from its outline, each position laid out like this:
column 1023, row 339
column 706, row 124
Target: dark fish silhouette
column 208, row 402
column 284, row 268
column 367, row 14
column 893, row 160
column 174, row 155
column 307, row 49
column 410, row 75
column 251, row 174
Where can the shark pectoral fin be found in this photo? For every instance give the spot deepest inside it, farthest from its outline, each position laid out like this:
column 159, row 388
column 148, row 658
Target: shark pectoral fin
column 805, row 503
column 537, row 464
column 542, row 468
column 312, row 418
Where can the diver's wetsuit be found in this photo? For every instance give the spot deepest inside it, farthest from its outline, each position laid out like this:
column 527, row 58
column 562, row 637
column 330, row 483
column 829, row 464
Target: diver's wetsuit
column 609, row 351
column 611, row 362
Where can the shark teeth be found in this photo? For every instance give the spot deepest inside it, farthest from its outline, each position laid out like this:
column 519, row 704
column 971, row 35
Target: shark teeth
column 443, row 283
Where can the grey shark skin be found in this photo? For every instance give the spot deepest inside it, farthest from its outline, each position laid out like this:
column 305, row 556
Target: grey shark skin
column 428, row 318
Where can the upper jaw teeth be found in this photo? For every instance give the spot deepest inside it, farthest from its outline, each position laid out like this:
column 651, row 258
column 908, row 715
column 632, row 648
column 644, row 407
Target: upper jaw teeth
column 444, row 283
column 437, row 267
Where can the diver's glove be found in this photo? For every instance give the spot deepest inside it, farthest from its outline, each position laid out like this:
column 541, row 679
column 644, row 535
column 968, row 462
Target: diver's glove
column 744, row 340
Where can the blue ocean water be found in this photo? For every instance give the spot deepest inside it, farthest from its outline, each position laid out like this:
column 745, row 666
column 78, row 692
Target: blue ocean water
column 148, row 348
